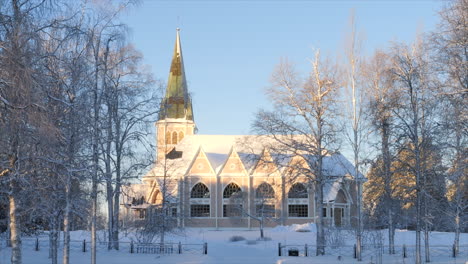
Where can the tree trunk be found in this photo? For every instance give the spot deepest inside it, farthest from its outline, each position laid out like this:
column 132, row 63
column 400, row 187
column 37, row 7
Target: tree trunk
column 261, row 227
column 53, row 241
column 385, row 133
column 115, row 229
column 320, row 241
column 93, row 220
column 391, row 233
column 426, row 243
column 456, row 242
column 66, row 225
column 15, row 233
column 110, row 211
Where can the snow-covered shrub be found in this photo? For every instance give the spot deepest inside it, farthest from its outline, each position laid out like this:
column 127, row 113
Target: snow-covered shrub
column 251, row 242
column 335, row 237
column 308, row 227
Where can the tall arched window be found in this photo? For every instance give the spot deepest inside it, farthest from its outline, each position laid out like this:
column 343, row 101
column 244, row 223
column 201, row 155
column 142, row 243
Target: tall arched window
column 298, row 205
column 264, row 200
column 232, row 205
column 174, row 137
column 298, row 190
column 168, row 137
column 200, row 191
column 200, row 201
column 265, row 190
column 230, row 190
column 181, row 136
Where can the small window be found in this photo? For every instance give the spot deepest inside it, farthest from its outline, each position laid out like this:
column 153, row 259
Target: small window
column 174, row 137
column 181, row 136
column 232, row 210
column 168, row 137
column 324, row 210
column 200, row 210
column 298, row 210
column 174, row 212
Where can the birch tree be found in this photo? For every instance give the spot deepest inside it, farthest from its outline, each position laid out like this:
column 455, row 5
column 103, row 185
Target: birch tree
column 130, row 106
column 382, row 100
column 450, row 45
column 415, row 117
column 304, row 107
column 20, row 94
column 355, row 112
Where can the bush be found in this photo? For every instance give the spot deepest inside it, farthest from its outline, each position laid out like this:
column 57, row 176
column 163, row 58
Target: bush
column 303, row 230
column 236, row 238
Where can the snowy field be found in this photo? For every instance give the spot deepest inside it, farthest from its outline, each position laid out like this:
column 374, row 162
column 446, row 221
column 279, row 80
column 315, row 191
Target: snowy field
column 250, row 250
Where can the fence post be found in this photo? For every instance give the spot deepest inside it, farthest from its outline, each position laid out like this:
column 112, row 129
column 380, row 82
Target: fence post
column 179, row 249
column 404, row 251
column 84, row 245
column 355, row 251
column 306, row 253
column 279, row 249
column 454, row 251
column 131, row 247
column 205, row 248
column 37, row 244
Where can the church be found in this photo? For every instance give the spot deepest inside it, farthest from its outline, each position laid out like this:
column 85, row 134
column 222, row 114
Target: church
column 231, row 181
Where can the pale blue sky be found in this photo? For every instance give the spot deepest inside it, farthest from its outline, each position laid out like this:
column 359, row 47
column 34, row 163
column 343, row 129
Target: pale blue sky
column 231, row 47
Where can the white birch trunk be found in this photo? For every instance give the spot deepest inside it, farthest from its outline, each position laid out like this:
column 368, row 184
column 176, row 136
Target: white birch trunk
column 16, row 256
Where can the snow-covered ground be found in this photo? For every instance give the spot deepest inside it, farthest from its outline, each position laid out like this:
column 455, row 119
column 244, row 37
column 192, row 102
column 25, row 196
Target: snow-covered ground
column 250, row 250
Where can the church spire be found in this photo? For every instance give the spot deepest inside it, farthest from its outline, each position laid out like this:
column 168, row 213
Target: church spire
column 177, row 102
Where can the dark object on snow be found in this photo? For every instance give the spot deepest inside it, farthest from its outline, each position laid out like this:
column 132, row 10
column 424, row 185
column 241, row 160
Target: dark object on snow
column 236, row 238
column 294, row 252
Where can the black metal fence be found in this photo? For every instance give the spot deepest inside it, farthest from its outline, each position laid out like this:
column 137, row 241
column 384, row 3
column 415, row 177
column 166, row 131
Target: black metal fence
column 38, row 244
column 376, row 253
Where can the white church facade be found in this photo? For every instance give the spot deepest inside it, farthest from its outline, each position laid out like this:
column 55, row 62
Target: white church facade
column 232, row 181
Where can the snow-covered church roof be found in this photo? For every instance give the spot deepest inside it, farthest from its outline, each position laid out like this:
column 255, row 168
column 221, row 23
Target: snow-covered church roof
column 249, row 148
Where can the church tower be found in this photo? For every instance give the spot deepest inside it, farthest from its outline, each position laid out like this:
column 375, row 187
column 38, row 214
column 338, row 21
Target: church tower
column 176, row 114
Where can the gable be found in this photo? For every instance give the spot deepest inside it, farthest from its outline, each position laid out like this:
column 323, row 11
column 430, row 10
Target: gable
column 233, row 164
column 266, row 165
column 297, row 166
column 200, row 164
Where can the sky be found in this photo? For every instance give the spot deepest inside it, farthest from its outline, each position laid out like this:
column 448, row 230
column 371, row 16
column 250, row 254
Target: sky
column 230, row 48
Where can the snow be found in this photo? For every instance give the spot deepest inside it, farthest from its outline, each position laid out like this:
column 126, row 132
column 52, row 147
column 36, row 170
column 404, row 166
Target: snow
column 250, row 250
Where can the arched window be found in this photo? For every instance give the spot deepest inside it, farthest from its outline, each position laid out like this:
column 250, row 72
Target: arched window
column 264, row 190
column 231, row 189
column 181, row 136
column 168, row 137
column 200, row 191
column 174, row 137
column 264, row 204
column 297, row 207
column 200, row 208
column 298, row 190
